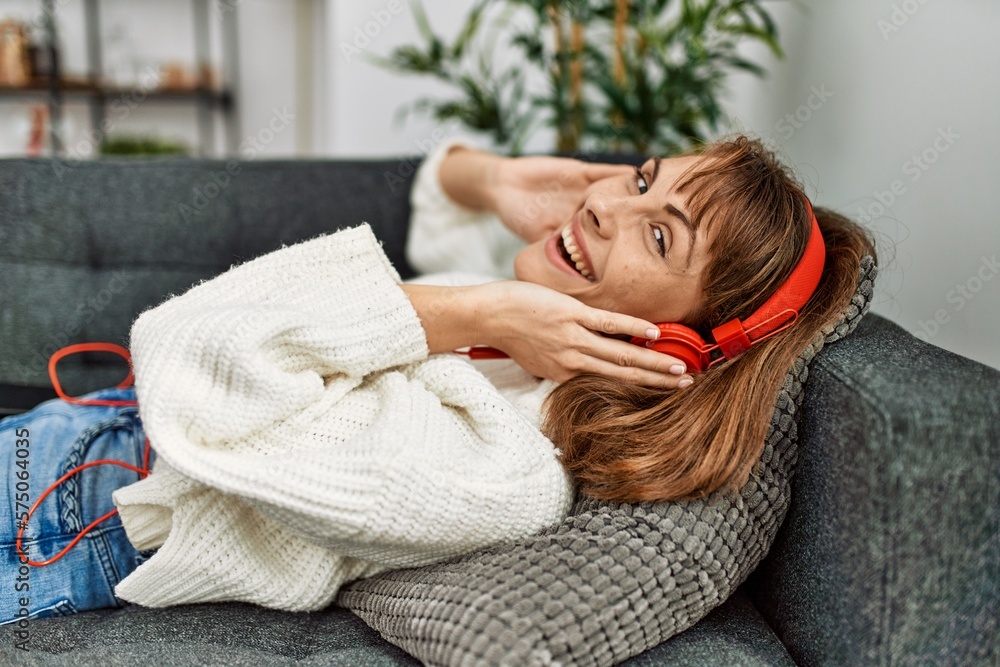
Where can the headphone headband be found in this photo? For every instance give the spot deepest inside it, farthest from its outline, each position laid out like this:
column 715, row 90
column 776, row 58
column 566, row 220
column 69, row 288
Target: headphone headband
column 735, row 337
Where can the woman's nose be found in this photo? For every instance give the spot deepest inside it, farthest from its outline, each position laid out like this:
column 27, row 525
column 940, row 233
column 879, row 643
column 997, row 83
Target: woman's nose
column 608, row 211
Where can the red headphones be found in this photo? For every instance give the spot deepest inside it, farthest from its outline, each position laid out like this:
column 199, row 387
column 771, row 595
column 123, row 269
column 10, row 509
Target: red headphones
column 735, row 337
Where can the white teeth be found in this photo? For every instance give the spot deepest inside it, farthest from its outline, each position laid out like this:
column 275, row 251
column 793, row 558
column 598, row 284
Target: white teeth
column 574, row 252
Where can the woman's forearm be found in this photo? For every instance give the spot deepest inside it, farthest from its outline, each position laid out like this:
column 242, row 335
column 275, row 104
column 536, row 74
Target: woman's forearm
column 452, row 317
column 467, row 175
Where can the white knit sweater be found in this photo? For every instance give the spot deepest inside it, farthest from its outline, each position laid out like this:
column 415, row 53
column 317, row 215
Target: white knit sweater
column 304, row 436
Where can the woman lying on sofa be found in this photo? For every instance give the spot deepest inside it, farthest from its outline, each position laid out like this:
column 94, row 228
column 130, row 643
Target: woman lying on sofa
column 311, row 424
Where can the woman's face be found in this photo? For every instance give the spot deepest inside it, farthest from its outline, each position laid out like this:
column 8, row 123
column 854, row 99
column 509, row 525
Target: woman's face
column 634, row 237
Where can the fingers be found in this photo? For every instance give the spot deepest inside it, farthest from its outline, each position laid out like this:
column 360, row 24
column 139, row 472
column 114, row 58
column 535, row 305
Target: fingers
column 596, row 319
column 636, row 375
column 626, row 355
column 628, row 362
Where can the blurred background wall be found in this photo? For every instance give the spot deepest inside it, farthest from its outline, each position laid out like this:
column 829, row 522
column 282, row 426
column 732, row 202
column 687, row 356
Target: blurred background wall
column 886, row 108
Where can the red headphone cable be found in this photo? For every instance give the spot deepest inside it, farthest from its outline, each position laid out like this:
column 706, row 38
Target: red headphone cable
column 143, row 472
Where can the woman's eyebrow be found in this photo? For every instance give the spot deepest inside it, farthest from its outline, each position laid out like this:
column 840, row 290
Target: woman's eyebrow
column 679, row 214
column 676, row 212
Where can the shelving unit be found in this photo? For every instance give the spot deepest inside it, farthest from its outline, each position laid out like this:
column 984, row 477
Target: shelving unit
column 208, row 101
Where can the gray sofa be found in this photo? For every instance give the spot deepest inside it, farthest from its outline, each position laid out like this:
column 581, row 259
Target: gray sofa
column 888, row 553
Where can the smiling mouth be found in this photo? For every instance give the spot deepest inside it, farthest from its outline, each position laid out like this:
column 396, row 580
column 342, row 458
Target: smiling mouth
column 571, row 253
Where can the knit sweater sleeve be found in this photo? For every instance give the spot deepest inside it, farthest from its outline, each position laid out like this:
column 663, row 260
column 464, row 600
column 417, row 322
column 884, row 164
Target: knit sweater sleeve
column 445, row 236
column 258, row 343
column 304, row 436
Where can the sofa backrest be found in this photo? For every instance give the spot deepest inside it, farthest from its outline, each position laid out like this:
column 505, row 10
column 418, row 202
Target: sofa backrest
column 86, row 246
column 890, row 552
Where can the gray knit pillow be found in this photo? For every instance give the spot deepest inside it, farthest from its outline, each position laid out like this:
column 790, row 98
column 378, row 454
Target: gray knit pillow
column 610, row 581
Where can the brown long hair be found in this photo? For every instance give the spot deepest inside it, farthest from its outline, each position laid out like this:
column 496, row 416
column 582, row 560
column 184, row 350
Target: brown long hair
column 629, row 443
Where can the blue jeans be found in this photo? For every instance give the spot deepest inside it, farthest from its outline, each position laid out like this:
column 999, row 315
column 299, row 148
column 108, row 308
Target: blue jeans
column 47, row 442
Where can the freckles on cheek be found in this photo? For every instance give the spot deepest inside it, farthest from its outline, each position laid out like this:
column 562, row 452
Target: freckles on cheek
column 628, row 288
column 632, row 276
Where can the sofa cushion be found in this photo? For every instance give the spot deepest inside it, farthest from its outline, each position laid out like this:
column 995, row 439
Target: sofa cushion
column 611, row 580
column 237, row 634
column 203, row 634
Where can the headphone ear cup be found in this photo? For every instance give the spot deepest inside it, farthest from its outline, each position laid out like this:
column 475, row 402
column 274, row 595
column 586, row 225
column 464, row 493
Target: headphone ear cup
column 681, row 342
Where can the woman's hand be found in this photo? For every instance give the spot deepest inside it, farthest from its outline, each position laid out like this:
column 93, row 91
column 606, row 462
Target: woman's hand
column 535, row 196
column 553, row 335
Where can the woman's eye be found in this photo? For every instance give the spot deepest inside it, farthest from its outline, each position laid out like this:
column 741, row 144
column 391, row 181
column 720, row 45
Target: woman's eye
column 640, row 179
column 658, row 235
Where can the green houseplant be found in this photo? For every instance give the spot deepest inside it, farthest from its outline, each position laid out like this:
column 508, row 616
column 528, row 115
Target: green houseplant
column 142, row 145
column 638, row 75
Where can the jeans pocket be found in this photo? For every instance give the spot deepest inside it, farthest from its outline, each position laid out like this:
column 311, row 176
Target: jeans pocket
column 62, row 437
column 87, row 495
column 40, row 446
